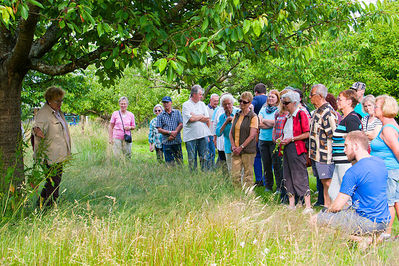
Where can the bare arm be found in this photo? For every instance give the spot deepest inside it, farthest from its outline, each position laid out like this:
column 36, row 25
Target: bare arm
column 303, row 136
column 339, row 202
column 373, row 134
column 390, row 137
column 110, row 132
column 266, row 123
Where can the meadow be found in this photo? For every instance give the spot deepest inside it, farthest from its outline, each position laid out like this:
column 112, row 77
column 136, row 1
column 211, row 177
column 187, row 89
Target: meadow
column 137, row 212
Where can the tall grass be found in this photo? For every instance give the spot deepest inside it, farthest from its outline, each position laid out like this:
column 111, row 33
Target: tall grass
column 140, row 212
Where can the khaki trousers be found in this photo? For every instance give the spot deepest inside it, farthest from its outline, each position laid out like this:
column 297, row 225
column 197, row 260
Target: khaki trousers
column 246, row 161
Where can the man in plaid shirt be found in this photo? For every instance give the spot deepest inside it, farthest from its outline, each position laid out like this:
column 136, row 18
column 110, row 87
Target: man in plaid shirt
column 169, row 124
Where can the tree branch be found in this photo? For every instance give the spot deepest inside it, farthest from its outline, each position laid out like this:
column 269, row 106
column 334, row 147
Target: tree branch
column 41, row 46
column 19, row 56
column 222, row 78
column 80, row 63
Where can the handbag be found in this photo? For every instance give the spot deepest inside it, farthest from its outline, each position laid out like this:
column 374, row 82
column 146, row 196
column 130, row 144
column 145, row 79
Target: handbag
column 126, row 137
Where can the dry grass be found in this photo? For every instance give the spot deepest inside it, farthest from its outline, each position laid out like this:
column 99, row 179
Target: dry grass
column 139, row 212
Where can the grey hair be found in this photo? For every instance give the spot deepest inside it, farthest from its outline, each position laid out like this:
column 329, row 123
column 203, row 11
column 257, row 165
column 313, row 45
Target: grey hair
column 321, row 90
column 196, row 89
column 293, row 96
column 123, row 98
column 368, row 98
column 227, row 97
column 155, row 107
column 214, row 95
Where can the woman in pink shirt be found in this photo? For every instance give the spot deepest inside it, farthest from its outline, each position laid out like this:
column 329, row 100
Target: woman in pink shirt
column 122, row 122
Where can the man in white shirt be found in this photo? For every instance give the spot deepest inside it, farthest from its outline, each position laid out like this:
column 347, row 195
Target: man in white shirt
column 196, row 128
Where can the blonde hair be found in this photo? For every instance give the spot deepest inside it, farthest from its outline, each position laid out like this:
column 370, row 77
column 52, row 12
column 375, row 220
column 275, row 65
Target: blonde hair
column 389, row 105
column 53, row 92
column 358, row 137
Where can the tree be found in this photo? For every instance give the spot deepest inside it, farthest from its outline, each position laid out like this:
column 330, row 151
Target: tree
column 56, row 37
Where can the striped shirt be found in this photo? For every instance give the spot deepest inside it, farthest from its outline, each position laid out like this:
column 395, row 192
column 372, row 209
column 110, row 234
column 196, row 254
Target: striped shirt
column 369, row 125
column 350, row 123
column 169, row 122
column 322, row 127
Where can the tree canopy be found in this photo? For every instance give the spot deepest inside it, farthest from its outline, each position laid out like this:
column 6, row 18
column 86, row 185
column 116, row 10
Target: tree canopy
column 56, row 37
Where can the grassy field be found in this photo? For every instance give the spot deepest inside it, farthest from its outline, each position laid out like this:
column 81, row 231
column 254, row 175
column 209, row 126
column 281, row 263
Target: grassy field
column 140, row 212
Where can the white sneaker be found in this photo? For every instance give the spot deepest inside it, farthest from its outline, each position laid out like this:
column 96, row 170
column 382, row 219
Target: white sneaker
column 307, row 211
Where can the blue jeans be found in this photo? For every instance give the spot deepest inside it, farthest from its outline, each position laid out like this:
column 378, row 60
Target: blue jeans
column 173, row 153
column 211, row 153
column 200, row 147
column 258, row 167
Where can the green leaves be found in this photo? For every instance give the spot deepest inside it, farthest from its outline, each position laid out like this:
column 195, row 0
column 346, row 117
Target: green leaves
column 246, row 26
column 162, row 63
column 257, row 27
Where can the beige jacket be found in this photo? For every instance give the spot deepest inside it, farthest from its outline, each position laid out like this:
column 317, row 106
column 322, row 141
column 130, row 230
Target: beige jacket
column 56, row 144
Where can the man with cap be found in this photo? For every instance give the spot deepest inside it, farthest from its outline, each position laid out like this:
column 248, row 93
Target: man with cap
column 359, row 88
column 169, row 124
column 196, row 124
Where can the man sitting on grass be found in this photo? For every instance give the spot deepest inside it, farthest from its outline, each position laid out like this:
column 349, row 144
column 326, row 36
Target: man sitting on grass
column 366, row 183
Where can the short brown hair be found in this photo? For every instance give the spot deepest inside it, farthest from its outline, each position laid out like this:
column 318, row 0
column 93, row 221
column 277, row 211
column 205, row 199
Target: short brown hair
column 246, row 95
column 53, row 92
column 358, row 137
column 389, row 106
column 351, row 95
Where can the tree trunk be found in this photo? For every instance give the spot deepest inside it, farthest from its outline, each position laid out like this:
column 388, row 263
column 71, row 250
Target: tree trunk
column 11, row 157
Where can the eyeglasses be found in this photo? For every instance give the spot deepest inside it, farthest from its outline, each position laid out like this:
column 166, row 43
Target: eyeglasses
column 242, row 101
column 286, row 103
column 158, row 111
column 311, row 95
column 58, row 101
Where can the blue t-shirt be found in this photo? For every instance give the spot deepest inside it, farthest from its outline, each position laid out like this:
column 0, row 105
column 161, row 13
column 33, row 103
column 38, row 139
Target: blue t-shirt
column 258, row 102
column 381, row 150
column 366, row 183
column 226, row 131
column 266, row 134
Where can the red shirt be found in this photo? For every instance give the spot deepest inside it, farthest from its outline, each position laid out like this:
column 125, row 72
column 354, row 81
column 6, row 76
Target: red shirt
column 300, row 125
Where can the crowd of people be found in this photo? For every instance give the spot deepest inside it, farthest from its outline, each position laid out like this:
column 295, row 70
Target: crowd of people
column 351, row 144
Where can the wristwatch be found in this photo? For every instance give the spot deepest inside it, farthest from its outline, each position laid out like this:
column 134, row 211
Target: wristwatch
column 292, row 140
column 242, row 146
column 170, row 132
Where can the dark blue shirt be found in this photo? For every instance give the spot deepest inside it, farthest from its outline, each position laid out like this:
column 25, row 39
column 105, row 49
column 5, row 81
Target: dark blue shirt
column 258, row 102
column 366, row 183
column 169, row 122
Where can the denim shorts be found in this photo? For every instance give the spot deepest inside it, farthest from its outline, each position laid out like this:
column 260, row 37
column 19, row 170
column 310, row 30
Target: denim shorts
column 350, row 222
column 393, row 187
column 322, row 170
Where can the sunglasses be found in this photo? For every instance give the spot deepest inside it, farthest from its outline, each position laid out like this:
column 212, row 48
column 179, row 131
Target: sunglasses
column 242, row 101
column 286, row 103
column 158, row 111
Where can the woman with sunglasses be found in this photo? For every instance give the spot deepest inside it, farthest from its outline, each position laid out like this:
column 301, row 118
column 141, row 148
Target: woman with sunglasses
column 347, row 101
column 295, row 132
column 154, row 137
column 243, row 143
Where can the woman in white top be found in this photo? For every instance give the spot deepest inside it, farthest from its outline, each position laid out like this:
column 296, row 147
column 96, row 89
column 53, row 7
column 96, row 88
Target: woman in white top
column 371, row 124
